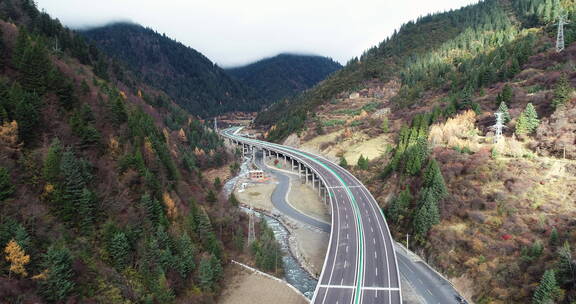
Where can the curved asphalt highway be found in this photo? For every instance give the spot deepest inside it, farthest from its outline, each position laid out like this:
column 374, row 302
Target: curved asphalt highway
column 360, row 265
column 279, row 199
column 431, row 287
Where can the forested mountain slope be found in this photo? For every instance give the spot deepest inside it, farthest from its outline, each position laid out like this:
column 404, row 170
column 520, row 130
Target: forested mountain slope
column 414, row 119
column 471, row 47
column 284, row 75
column 102, row 199
column 187, row 76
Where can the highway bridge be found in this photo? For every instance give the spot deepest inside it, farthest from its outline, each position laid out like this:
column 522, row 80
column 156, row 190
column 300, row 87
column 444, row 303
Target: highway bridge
column 361, row 264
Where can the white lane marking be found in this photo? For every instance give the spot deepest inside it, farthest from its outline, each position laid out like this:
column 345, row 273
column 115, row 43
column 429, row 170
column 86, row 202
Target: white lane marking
column 371, row 229
column 374, row 241
column 376, row 271
column 345, row 262
column 375, row 254
column 346, row 248
column 428, row 290
column 363, row 287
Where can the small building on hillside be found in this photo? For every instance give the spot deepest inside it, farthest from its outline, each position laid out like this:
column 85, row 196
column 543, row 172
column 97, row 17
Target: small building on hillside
column 256, row 174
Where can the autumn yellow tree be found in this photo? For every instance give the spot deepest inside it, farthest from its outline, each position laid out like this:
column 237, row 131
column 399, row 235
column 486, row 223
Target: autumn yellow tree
column 17, row 258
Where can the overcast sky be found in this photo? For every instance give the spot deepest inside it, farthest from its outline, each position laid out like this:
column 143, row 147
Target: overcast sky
column 235, row 32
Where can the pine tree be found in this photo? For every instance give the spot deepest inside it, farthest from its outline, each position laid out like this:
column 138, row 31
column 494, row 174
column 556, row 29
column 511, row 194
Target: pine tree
column 362, row 162
column 507, row 94
column 217, row 183
column 6, row 187
column 73, row 185
column 58, row 284
column 211, row 197
column 186, row 255
column 528, row 121
column 205, row 273
column 562, row 92
column 51, row 170
column 548, row 289
column 566, row 265
column 415, row 156
column 86, row 210
column 503, row 108
column 343, row 162
column 427, row 214
column 17, row 258
column 399, row 206
column 554, row 237
column 119, row 250
column 217, row 271
column 233, row 200
column 26, row 114
column 153, row 208
column 434, row 180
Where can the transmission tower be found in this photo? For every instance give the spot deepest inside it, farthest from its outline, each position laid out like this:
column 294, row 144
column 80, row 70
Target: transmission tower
column 216, row 124
column 251, row 230
column 562, row 20
column 498, row 127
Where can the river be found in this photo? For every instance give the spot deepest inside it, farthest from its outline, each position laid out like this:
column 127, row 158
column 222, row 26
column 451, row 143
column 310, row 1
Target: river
column 294, row 273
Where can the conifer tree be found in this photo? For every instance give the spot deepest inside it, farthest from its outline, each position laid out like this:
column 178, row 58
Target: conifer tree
column 51, row 170
column 548, row 289
column 399, row 206
column 343, row 162
column 233, row 200
column 217, row 271
column 503, row 108
column 153, row 208
column 562, row 91
column 434, row 180
column 73, row 185
column 415, row 156
column 211, row 197
column 205, row 273
column 528, row 121
column 6, row 187
column 58, row 284
column 566, row 266
column 362, row 162
column 17, row 258
column 119, row 250
column 427, row 214
column 554, row 237
column 186, row 255
column 86, row 210
column 217, row 183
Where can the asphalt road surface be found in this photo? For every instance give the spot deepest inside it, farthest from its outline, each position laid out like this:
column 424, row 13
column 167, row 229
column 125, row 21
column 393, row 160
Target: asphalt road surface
column 429, row 286
column 361, row 264
column 279, row 198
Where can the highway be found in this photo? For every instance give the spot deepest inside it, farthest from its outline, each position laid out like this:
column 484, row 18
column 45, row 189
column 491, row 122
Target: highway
column 279, row 198
column 361, row 264
column 430, row 287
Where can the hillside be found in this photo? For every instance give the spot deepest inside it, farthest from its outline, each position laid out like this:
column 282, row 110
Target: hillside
column 412, row 119
column 284, row 75
column 192, row 80
column 102, row 194
column 474, row 46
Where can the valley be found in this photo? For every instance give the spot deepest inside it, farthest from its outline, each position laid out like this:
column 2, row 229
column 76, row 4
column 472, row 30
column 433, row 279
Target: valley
column 138, row 165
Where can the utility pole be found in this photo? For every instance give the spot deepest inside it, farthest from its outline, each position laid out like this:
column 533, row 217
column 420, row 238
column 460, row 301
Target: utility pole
column 251, row 230
column 407, row 238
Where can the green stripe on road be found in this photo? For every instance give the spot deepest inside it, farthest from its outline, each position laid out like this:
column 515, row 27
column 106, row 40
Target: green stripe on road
column 356, row 212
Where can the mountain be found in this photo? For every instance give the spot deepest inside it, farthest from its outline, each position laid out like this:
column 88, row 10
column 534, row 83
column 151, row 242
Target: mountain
column 102, row 194
column 414, row 119
column 474, row 46
column 187, row 76
column 284, row 75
